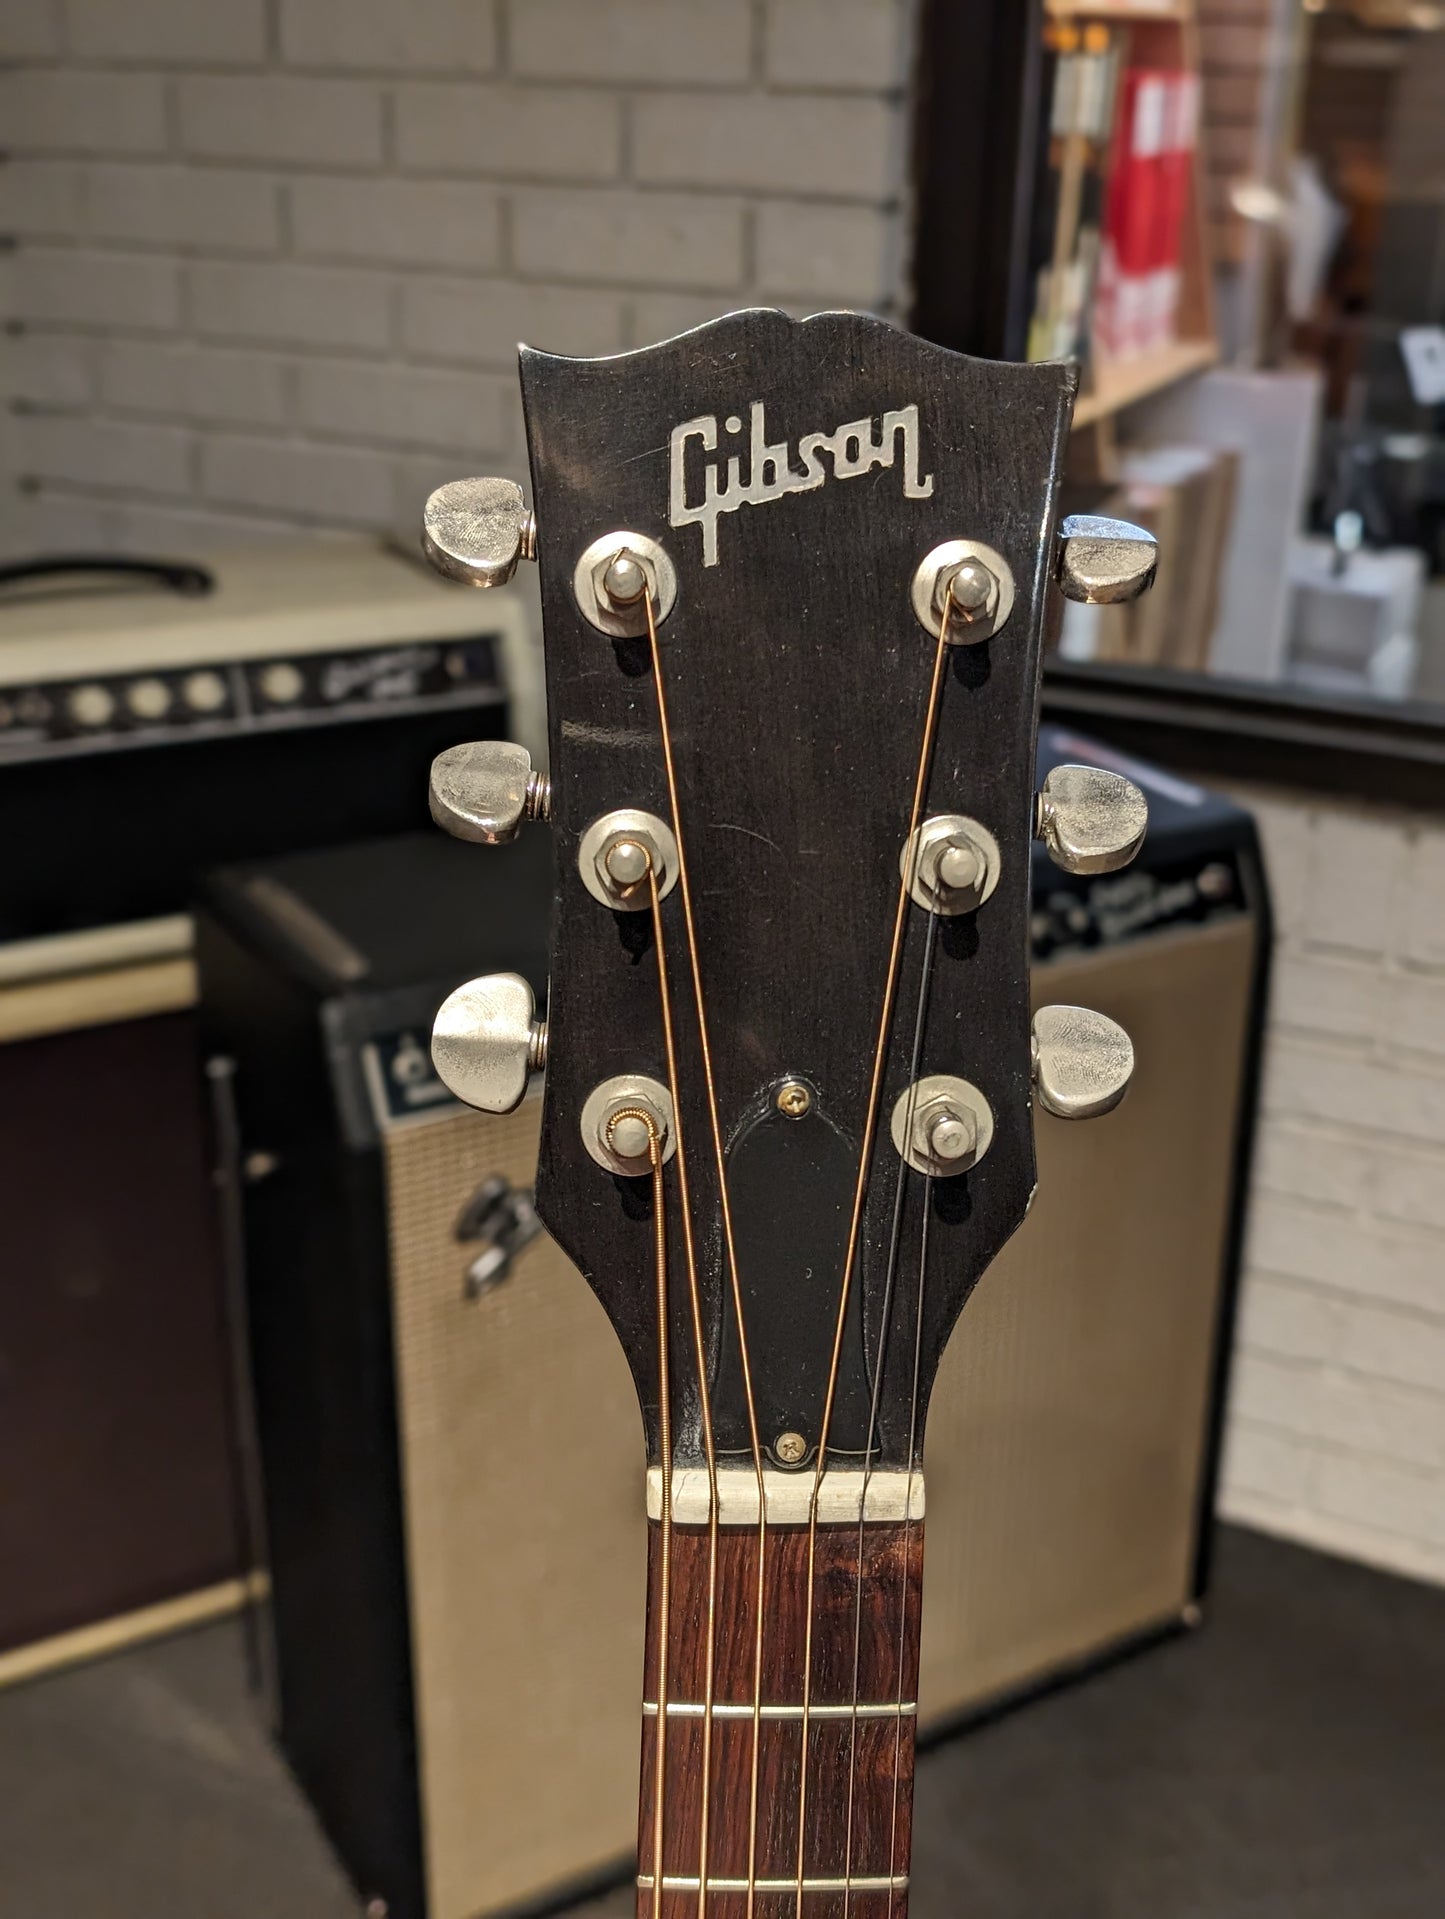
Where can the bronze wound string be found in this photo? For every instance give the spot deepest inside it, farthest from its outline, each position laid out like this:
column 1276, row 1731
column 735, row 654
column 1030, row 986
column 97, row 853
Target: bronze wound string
column 704, row 1404
column 886, row 1327
column 664, row 1547
column 908, row 1522
column 715, row 1124
column 880, row 1059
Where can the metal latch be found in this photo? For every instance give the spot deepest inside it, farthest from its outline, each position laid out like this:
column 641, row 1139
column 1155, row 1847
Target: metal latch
column 503, row 1220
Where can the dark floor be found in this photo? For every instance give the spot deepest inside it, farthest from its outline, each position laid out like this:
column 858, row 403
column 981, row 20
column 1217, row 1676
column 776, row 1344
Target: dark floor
column 1287, row 1762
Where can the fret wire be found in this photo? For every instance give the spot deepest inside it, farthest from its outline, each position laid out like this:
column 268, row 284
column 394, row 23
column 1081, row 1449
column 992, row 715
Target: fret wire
column 879, row 1882
column 695, row 1709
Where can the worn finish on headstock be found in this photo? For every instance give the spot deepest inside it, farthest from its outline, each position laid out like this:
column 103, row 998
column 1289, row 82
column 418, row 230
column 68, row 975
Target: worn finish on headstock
column 797, row 675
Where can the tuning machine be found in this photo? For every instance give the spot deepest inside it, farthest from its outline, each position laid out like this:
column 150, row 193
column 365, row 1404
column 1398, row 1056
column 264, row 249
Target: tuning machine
column 1104, row 562
column 965, row 589
column 487, row 1042
column 476, row 531
column 942, row 1126
column 1091, row 820
column 1083, row 1063
column 952, row 865
column 483, row 791
column 616, row 577
column 620, row 1119
column 619, row 850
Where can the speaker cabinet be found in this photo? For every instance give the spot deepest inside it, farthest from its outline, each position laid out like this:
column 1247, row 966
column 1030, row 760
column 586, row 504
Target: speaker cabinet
column 455, row 1478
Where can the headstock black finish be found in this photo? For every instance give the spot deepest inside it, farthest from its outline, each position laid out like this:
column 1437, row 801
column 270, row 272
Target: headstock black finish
column 839, row 545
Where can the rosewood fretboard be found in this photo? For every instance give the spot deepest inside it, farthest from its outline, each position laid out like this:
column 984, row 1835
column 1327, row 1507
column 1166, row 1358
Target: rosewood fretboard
column 870, row 1848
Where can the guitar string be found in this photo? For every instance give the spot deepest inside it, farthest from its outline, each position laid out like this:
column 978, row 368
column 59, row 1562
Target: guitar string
column 880, row 1059
column 664, row 1381
column 908, row 1520
column 886, row 1317
column 685, row 888
column 704, row 1396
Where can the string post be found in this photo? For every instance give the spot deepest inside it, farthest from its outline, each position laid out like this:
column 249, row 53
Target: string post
column 628, row 862
column 624, row 579
column 633, row 1134
column 971, row 593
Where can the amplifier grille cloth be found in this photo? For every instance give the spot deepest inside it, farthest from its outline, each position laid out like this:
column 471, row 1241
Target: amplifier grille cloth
column 1064, row 1452
column 1066, row 1438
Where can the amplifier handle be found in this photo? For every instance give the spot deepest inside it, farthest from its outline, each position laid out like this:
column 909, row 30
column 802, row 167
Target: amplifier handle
column 180, row 576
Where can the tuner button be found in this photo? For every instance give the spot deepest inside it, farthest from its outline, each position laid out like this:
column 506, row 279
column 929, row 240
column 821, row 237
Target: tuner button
column 1083, row 1063
column 1103, row 562
column 477, row 530
column 1091, row 821
column 487, row 1042
column 483, row 791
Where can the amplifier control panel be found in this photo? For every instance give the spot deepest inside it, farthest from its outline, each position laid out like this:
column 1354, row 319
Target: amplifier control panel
column 1075, row 916
column 150, row 706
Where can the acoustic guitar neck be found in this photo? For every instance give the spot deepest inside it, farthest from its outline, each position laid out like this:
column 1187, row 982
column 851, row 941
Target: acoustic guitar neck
column 795, row 581
column 787, row 1766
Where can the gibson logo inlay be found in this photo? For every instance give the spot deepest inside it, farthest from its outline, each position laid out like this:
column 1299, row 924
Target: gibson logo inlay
column 852, row 450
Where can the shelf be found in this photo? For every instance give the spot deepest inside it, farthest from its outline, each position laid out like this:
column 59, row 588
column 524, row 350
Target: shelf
column 1120, row 383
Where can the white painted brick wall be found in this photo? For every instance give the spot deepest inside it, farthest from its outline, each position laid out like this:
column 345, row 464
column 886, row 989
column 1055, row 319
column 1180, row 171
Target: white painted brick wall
column 303, row 237
column 1337, row 1426
column 390, row 36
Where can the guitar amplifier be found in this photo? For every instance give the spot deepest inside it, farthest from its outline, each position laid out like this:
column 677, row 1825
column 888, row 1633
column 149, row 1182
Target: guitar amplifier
column 452, row 1453
column 155, row 721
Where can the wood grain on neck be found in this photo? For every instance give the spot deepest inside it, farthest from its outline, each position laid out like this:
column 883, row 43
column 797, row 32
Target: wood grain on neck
column 865, row 1636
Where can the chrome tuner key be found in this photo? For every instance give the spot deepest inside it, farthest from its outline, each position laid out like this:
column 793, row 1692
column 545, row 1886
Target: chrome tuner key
column 483, row 791
column 1090, row 820
column 487, row 1042
column 475, row 531
column 1083, row 1063
column 1104, row 562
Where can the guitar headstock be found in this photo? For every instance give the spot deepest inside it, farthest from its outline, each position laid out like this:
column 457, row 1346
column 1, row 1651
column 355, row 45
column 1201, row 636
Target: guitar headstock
column 795, row 583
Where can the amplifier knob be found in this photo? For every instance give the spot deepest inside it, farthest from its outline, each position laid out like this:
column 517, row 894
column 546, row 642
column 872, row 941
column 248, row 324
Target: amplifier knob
column 90, row 705
column 282, row 684
column 1083, row 1062
column 205, row 692
column 148, row 699
column 487, row 1042
column 483, row 791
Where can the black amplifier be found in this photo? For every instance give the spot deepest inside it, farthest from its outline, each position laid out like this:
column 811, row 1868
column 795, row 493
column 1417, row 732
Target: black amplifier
column 156, row 720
